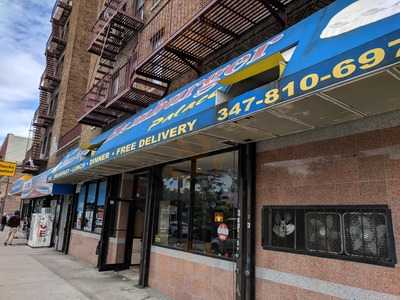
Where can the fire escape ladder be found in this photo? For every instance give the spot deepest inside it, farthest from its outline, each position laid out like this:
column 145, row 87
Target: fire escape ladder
column 115, row 26
column 104, row 64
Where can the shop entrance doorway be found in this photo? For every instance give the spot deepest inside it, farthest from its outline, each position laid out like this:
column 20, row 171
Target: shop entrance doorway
column 122, row 235
column 61, row 227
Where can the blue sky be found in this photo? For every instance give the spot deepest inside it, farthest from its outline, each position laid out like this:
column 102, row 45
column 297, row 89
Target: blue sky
column 24, row 29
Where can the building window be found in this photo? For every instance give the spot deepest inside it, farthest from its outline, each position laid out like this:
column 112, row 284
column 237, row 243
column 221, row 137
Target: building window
column 90, row 207
column 44, row 144
column 65, row 32
column 79, row 208
column 361, row 233
column 173, row 218
column 199, row 204
column 101, row 199
column 53, row 105
column 140, row 9
column 157, row 39
column 215, row 205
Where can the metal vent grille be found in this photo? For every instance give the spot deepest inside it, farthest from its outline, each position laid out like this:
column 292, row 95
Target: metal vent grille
column 366, row 235
column 323, row 232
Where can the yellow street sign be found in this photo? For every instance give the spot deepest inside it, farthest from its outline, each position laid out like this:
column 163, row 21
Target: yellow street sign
column 7, row 168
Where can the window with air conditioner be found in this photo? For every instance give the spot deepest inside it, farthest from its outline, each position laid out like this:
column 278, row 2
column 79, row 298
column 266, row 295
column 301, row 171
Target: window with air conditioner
column 323, row 232
column 362, row 233
column 365, row 234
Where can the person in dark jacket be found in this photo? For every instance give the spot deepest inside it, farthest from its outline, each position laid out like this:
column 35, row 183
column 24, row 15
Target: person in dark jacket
column 3, row 222
column 13, row 222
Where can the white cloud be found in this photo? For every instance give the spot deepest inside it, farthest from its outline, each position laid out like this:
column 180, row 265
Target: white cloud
column 15, row 120
column 24, row 29
column 20, row 79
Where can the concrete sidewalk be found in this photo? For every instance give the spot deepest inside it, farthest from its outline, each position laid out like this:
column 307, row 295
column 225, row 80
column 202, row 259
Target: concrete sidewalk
column 27, row 273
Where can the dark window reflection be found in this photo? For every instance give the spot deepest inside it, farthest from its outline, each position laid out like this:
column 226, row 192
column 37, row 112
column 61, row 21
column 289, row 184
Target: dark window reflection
column 90, row 207
column 79, row 208
column 213, row 225
column 100, row 206
column 174, row 206
column 215, row 205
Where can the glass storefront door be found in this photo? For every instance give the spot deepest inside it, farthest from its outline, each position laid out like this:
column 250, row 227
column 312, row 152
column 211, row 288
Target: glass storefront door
column 121, row 238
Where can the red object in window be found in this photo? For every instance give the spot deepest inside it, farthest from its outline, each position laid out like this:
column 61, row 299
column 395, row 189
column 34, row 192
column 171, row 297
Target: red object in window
column 223, row 232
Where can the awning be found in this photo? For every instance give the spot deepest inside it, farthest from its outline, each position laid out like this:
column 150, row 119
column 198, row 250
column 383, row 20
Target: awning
column 16, row 188
column 38, row 186
column 339, row 64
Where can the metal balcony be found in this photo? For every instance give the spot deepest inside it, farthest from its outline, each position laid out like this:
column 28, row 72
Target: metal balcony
column 115, row 26
column 119, row 95
column 216, row 25
column 43, row 117
column 129, row 88
column 49, row 81
column 57, row 41
column 93, row 105
column 61, row 11
column 34, row 162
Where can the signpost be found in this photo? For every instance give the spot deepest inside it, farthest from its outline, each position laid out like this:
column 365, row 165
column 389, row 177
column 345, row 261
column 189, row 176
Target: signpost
column 7, row 169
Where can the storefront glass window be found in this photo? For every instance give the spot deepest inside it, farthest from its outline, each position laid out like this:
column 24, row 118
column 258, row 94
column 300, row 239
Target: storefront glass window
column 90, row 207
column 79, row 208
column 89, row 214
column 215, row 205
column 100, row 206
column 198, row 205
column 174, row 203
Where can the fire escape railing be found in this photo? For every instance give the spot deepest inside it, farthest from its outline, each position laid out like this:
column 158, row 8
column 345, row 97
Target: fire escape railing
column 43, row 116
column 119, row 95
column 183, row 43
column 92, row 103
column 61, row 11
column 57, row 40
column 116, row 24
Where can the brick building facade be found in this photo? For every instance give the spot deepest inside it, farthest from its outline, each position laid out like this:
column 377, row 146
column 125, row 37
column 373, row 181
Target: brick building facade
column 12, row 150
column 55, row 129
column 295, row 201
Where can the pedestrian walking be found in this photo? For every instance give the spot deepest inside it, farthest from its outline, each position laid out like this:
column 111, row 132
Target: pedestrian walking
column 3, row 222
column 13, row 222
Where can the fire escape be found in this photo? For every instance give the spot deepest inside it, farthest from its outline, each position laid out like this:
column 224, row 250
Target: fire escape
column 218, row 23
column 49, row 82
column 114, row 94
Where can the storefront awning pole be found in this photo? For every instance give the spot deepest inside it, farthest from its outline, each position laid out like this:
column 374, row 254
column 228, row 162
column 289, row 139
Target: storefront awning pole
column 246, row 219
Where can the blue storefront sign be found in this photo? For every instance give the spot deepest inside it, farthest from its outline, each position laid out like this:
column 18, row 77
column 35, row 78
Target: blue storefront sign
column 16, row 188
column 38, row 186
column 339, row 43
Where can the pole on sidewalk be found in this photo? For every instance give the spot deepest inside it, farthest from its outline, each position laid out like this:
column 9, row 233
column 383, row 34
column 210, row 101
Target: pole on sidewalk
column 3, row 203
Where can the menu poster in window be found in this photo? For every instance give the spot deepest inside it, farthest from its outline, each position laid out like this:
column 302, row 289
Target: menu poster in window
column 223, row 232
